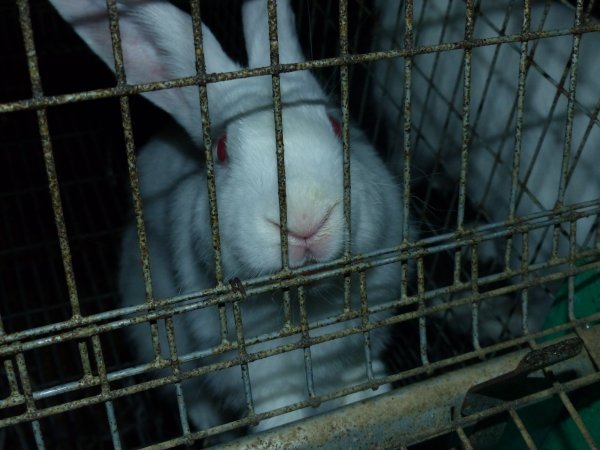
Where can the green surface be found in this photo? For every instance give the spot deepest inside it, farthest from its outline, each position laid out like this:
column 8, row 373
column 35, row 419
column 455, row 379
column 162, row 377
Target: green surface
column 548, row 422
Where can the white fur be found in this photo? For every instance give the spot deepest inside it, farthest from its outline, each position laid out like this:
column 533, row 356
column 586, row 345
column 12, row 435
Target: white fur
column 434, row 140
column 175, row 200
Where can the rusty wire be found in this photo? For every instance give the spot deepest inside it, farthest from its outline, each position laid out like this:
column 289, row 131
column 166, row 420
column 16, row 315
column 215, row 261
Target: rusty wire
column 85, row 326
column 132, row 89
column 93, row 326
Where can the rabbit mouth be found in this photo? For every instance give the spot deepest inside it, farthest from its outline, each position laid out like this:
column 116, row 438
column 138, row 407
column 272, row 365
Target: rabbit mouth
column 311, row 241
column 309, row 251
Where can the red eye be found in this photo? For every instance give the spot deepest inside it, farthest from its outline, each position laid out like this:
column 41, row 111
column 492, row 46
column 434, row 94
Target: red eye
column 222, row 148
column 337, row 127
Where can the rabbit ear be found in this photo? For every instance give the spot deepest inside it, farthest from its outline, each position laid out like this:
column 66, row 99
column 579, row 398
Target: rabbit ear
column 297, row 86
column 256, row 33
column 157, row 43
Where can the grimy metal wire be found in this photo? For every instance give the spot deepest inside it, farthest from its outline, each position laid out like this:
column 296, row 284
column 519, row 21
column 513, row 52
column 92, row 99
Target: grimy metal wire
column 79, row 328
column 398, row 419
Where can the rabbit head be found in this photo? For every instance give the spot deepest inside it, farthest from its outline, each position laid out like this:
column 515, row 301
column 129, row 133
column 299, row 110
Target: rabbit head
column 157, row 42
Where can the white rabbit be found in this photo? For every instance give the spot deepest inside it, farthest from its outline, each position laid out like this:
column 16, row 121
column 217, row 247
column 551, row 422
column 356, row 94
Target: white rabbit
column 437, row 104
column 158, row 44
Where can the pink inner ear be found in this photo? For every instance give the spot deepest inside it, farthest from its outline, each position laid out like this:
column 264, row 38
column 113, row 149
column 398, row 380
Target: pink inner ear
column 222, row 148
column 337, row 127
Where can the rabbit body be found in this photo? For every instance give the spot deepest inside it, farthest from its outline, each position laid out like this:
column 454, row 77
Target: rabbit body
column 173, row 187
column 178, row 232
column 437, row 105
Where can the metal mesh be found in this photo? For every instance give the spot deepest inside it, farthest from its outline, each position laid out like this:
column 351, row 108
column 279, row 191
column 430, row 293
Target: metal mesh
column 69, row 180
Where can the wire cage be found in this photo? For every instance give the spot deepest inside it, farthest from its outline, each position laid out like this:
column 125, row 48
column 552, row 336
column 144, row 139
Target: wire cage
column 486, row 112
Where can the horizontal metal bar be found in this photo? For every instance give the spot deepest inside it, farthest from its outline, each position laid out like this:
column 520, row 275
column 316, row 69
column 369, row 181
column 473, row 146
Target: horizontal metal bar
column 297, row 277
column 118, row 91
column 163, row 312
column 471, row 356
column 397, row 417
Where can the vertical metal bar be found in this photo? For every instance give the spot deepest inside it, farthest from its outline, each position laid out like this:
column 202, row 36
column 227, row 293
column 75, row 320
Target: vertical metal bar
column 113, row 20
column 206, row 133
column 105, row 389
column 11, row 377
column 556, row 234
column 223, row 323
column 408, row 66
column 57, row 208
column 572, row 264
column 306, row 336
column 405, row 277
column 345, row 107
column 278, row 117
column 345, row 102
column 505, row 133
column 85, row 359
column 570, row 106
column 119, row 68
column 457, row 266
column 466, row 134
column 566, row 157
column 525, row 311
column 464, row 439
column 525, row 292
column 183, row 416
column 475, row 290
column 208, row 154
column 364, row 316
column 2, row 331
column 37, row 434
column 175, row 364
column 520, row 115
column 515, row 192
column 598, row 231
column 521, row 427
column 287, row 310
column 421, row 308
column 466, row 130
column 589, row 10
column 29, row 403
column 112, row 425
column 578, row 421
column 280, row 151
column 241, row 341
column 551, row 112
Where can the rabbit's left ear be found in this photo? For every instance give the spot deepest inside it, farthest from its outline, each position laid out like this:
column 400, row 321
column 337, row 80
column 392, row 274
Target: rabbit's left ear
column 158, row 45
column 256, row 33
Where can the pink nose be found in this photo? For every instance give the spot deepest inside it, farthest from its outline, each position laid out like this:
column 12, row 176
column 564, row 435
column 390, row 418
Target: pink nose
column 309, row 240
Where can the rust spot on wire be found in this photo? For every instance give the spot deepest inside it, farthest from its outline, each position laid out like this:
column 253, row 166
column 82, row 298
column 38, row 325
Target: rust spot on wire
column 238, row 286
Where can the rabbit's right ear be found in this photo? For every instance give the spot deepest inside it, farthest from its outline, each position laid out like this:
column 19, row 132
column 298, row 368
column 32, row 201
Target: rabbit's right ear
column 299, row 85
column 157, row 42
